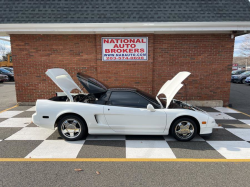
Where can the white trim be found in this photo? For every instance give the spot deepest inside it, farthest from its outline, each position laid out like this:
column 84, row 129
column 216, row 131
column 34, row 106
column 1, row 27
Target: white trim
column 99, row 28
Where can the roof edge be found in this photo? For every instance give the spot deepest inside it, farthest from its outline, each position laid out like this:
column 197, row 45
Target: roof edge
column 148, row 27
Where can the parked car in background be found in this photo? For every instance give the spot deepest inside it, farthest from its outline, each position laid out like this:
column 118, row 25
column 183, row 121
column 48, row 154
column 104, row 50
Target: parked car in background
column 9, row 69
column 3, row 78
column 8, row 73
column 240, row 78
column 237, row 72
column 247, row 81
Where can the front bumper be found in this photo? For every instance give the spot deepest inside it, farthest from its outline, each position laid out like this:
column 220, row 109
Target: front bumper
column 236, row 80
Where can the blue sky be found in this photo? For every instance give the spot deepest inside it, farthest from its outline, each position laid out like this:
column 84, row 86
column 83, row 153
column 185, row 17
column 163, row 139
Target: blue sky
column 238, row 41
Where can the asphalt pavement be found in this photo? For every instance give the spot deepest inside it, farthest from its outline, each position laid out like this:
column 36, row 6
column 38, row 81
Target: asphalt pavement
column 240, row 97
column 7, row 95
column 126, row 173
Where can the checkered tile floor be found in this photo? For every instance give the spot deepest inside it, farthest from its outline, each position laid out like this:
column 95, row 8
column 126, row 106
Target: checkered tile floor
column 19, row 138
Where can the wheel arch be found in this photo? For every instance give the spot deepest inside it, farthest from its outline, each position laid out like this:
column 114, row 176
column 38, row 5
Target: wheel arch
column 187, row 116
column 69, row 113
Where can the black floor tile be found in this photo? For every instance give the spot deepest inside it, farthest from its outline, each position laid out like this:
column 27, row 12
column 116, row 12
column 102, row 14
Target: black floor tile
column 21, row 108
column 55, row 136
column 31, row 125
column 222, row 135
column 144, row 137
column 193, row 150
column 103, row 149
column 2, row 119
column 208, row 109
column 6, row 132
column 25, row 114
column 238, row 115
column 232, row 124
column 17, row 148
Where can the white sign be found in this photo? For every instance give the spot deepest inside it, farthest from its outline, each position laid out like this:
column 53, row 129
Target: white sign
column 235, row 66
column 125, row 49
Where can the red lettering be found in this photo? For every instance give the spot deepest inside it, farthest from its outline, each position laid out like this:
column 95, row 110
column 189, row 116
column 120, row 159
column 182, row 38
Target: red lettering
column 142, row 50
column 136, row 50
column 112, row 41
column 117, row 40
column 127, row 45
column 119, row 50
column 132, row 41
column 121, row 45
column 130, row 50
column 125, row 41
column 138, row 41
column 125, row 50
column 106, row 41
column 107, row 50
column 113, row 51
column 132, row 45
column 143, row 41
column 115, row 46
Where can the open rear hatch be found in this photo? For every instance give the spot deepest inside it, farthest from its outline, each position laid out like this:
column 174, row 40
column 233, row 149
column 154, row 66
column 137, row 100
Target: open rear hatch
column 92, row 85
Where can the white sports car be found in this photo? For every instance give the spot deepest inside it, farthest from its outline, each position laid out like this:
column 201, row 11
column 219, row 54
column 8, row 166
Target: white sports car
column 119, row 110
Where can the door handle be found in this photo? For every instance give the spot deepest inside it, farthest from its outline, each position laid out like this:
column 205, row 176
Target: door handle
column 108, row 109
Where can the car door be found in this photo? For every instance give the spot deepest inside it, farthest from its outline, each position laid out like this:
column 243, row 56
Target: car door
column 126, row 112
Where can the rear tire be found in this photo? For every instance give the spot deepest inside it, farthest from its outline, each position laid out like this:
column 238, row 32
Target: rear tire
column 72, row 128
column 184, row 129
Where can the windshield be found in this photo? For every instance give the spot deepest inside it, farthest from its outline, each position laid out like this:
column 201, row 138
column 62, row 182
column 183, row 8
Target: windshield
column 246, row 73
column 4, row 70
column 151, row 98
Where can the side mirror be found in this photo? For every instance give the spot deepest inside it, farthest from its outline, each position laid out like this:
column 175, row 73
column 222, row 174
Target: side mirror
column 150, row 108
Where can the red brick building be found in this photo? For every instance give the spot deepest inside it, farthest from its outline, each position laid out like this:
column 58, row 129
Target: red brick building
column 197, row 37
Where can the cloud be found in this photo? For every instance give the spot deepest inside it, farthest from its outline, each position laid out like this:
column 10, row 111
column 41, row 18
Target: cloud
column 238, row 41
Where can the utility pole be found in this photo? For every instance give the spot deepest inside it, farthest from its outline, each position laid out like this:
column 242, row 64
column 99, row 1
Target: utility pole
column 246, row 64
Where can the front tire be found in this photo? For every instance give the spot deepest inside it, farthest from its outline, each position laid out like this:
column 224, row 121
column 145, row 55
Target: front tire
column 72, row 128
column 184, row 129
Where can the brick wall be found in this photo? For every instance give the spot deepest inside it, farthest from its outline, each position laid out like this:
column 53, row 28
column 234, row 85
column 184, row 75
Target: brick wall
column 208, row 57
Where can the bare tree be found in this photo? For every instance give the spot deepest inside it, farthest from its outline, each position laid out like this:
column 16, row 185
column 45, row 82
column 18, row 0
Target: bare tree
column 3, row 50
column 245, row 47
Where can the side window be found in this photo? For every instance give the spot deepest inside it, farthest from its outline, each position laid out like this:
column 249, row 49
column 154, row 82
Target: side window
column 128, row 99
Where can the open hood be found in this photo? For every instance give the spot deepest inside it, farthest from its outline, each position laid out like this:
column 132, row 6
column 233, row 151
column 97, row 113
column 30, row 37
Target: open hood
column 63, row 80
column 171, row 87
column 92, row 85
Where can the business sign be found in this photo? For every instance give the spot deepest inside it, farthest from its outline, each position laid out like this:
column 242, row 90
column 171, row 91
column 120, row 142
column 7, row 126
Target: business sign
column 235, row 66
column 125, row 49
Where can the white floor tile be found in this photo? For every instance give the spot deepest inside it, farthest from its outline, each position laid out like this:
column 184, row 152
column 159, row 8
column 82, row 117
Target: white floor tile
column 232, row 149
column 226, row 110
column 31, row 133
column 9, row 114
column 195, row 139
column 57, row 149
column 245, row 121
column 242, row 133
column 219, row 115
column 105, row 137
column 32, row 109
column 16, row 122
column 148, row 149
